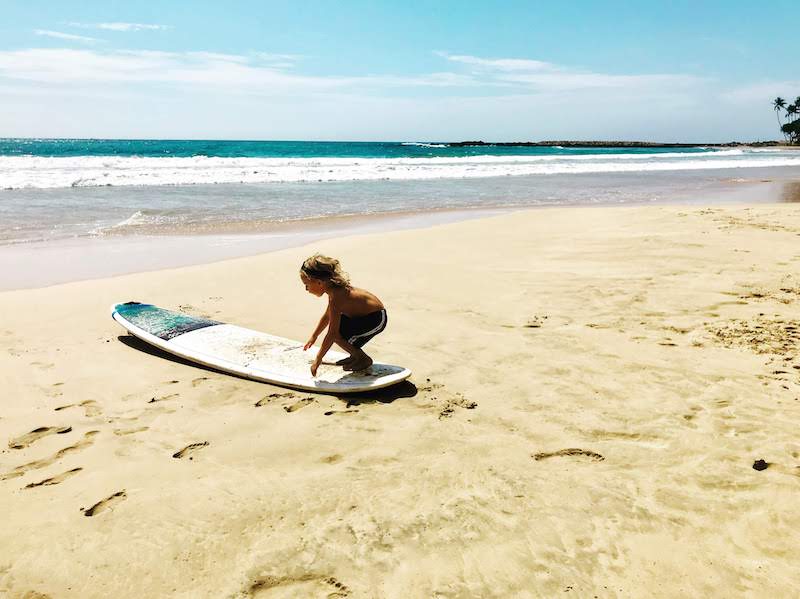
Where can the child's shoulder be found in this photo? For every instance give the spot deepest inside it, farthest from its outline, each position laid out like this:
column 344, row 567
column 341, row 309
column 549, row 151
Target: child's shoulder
column 339, row 295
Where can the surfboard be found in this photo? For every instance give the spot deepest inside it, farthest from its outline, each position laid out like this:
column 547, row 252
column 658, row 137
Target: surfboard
column 248, row 353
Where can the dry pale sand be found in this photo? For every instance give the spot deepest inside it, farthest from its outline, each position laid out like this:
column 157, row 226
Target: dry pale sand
column 592, row 388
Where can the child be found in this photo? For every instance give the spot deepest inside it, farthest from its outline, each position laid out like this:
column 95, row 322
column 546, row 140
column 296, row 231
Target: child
column 353, row 317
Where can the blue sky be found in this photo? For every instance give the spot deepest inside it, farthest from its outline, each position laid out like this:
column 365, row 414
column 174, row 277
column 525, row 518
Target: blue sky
column 413, row 70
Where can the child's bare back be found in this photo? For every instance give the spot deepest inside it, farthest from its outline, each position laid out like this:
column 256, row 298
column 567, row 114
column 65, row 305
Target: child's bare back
column 355, row 302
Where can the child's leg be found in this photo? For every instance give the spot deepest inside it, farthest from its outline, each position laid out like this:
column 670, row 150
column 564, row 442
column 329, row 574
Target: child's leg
column 360, row 363
column 355, row 352
column 357, row 360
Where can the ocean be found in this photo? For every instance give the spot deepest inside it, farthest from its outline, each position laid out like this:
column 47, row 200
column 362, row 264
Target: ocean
column 58, row 189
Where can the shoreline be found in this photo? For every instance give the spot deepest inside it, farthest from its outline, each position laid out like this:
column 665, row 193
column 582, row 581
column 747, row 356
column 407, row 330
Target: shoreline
column 29, row 265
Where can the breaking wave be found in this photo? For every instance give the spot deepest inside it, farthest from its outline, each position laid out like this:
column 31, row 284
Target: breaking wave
column 38, row 172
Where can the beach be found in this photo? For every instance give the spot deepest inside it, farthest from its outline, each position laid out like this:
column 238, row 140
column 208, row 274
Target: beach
column 604, row 404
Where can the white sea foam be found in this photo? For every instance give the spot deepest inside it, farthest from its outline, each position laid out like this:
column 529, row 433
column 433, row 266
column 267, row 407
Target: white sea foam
column 421, row 144
column 137, row 218
column 19, row 172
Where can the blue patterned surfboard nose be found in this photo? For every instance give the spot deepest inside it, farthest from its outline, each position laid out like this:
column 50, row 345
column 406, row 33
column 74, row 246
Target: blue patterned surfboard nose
column 164, row 324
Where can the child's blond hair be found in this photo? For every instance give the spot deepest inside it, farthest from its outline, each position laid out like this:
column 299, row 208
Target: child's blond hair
column 325, row 268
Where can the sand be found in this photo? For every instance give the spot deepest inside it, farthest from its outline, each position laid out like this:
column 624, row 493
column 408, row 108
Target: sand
column 592, row 388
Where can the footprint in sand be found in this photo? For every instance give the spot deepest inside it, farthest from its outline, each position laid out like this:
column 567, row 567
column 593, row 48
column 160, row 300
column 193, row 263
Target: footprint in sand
column 273, row 397
column 535, row 322
column 164, row 398
column 304, row 585
column 122, row 432
column 430, row 386
column 331, row 412
column 459, row 401
column 199, row 381
column 694, row 412
column 36, row 434
column 189, row 449
column 89, row 406
column 298, row 404
column 43, row 365
column 55, row 479
column 55, row 390
column 105, row 504
column 573, row 451
column 438, row 393
column 43, row 463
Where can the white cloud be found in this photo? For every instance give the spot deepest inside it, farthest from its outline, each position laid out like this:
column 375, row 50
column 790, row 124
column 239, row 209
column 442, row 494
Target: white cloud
column 266, row 56
column 581, row 81
column 214, row 57
column 230, row 72
column 121, row 26
column 502, row 64
column 548, row 77
column 440, row 80
column 277, row 61
column 65, row 36
column 271, row 73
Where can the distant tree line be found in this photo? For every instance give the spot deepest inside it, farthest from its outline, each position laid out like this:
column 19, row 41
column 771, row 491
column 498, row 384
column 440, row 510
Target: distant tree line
column 788, row 118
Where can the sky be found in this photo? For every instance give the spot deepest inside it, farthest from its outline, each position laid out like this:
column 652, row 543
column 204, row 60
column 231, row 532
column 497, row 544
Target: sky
column 412, row 70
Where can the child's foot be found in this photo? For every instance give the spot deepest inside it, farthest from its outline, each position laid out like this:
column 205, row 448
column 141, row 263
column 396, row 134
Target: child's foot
column 360, row 364
column 345, row 361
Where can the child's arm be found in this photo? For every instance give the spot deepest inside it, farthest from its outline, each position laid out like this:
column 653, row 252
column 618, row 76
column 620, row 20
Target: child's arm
column 323, row 322
column 330, row 337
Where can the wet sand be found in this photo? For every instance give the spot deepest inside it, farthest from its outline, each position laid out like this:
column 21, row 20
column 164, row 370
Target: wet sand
column 60, row 245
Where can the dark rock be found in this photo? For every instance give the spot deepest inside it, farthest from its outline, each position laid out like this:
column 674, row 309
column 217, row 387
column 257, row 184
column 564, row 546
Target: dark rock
column 606, row 144
column 760, row 465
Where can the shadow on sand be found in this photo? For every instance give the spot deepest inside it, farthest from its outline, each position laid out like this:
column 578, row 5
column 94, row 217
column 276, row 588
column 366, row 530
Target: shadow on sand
column 143, row 346
column 385, row 395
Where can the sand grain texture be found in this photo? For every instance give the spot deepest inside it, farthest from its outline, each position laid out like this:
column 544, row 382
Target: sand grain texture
column 647, row 355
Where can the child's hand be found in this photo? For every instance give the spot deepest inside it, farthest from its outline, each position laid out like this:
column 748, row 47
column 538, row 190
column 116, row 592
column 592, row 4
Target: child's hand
column 309, row 343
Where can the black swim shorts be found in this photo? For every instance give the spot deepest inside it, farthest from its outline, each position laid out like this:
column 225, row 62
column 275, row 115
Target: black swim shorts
column 360, row 329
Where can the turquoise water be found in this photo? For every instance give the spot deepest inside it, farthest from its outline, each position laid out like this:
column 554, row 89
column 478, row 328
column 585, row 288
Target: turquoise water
column 151, row 148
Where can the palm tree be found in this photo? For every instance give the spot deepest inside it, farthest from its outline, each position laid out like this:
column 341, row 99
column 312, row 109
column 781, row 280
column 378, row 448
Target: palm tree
column 778, row 104
column 792, row 131
column 791, row 126
column 797, row 104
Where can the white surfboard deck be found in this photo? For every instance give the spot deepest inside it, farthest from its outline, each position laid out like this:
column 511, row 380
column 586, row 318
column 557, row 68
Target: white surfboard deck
column 247, row 353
